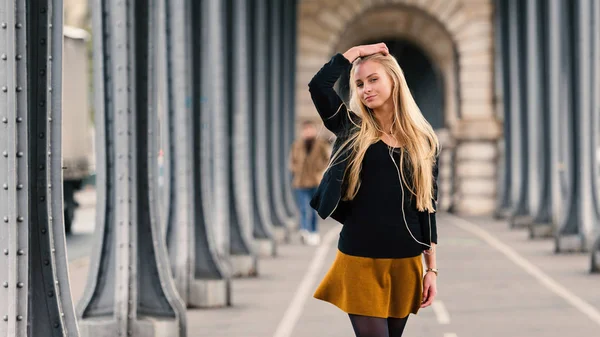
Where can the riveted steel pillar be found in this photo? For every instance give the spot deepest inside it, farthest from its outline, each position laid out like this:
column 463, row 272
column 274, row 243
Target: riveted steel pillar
column 576, row 231
column 288, row 43
column 538, row 137
column 129, row 247
column 196, row 265
column 214, row 107
column 557, row 99
column 281, row 219
column 35, row 298
column 562, row 115
column 243, row 260
column 263, row 226
column 595, row 252
column 518, row 142
column 504, row 90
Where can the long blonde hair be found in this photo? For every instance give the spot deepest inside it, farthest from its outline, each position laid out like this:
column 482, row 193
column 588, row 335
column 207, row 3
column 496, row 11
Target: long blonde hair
column 409, row 127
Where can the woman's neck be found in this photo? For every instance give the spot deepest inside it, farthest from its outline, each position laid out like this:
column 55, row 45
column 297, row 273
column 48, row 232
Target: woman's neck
column 385, row 117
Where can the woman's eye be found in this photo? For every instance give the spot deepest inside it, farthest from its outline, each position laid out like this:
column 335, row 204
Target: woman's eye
column 359, row 85
column 373, row 80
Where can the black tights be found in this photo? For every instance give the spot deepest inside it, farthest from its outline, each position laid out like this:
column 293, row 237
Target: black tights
column 367, row 326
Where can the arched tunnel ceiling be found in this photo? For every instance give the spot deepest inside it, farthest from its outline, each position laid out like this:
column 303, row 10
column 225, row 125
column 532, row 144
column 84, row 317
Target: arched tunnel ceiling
column 401, row 22
column 461, row 28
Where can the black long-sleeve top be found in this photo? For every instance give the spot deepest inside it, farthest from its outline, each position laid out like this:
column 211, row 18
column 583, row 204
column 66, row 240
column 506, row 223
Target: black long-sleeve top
column 377, row 223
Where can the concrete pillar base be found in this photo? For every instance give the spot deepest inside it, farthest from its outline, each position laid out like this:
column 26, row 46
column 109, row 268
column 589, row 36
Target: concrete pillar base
column 281, row 234
column 265, row 247
column 521, row 221
column 209, row 293
column 502, row 213
column 568, row 244
column 146, row 327
column 243, row 265
column 595, row 267
column 541, row 231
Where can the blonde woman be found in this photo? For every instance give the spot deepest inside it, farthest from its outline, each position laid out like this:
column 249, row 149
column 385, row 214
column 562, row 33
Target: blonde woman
column 381, row 185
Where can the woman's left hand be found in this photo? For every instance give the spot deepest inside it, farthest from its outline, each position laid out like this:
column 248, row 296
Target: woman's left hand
column 429, row 289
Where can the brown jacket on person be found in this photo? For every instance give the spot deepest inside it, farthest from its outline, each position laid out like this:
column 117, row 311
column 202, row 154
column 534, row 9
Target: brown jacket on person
column 308, row 168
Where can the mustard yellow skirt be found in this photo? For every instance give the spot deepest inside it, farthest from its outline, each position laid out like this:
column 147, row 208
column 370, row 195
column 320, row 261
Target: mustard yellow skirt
column 374, row 287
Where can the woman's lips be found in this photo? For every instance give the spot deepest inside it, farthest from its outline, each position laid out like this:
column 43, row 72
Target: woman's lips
column 370, row 98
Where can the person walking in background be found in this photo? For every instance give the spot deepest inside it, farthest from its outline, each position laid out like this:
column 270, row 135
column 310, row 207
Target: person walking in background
column 381, row 185
column 308, row 159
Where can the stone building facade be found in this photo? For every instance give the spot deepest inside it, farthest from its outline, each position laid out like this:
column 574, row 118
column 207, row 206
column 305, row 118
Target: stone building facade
column 458, row 37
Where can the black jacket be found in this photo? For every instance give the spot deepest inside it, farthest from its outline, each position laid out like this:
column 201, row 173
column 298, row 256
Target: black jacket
column 327, row 200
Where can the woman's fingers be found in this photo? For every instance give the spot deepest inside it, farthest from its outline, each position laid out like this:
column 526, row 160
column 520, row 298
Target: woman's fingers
column 371, row 49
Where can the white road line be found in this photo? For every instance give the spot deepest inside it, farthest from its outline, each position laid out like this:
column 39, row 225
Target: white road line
column 531, row 269
column 440, row 312
column 450, row 334
column 293, row 312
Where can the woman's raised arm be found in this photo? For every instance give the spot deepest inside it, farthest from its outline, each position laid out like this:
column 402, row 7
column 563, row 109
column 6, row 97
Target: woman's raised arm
column 329, row 105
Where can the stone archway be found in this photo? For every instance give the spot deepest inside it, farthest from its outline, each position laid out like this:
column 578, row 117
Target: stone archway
column 458, row 36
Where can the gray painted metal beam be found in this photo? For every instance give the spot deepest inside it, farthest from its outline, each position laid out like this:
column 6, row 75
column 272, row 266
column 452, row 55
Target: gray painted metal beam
column 564, row 199
column 556, row 99
column 198, row 269
column 518, row 142
column 33, row 262
column 129, row 246
column 264, row 232
column 576, row 233
column 281, row 219
column 288, row 85
column 595, row 253
column 244, row 261
column 538, row 135
column 503, row 89
column 213, row 92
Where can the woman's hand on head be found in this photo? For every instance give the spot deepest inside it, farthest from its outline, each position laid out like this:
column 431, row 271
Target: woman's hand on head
column 366, row 50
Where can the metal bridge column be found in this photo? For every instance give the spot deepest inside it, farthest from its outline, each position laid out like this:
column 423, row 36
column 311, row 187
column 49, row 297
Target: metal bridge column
column 264, row 231
column 287, row 80
column 595, row 253
column 197, row 268
column 577, row 229
column 280, row 217
column 538, row 134
column 129, row 247
column 503, row 92
column 243, row 260
column 213, row 107
column 518, row 142
column 33, row 258
column 557, row 100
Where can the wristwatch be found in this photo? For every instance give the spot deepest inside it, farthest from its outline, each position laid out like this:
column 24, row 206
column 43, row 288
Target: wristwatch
column 432, row 270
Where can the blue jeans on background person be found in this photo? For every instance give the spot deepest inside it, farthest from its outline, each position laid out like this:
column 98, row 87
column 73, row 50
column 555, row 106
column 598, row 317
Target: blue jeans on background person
column 308, row 216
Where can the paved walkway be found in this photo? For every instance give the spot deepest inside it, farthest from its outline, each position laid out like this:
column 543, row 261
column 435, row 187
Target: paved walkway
column 493, row 282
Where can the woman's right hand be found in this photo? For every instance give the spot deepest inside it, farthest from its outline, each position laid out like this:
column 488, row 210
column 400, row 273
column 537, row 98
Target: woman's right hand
column 365, row 50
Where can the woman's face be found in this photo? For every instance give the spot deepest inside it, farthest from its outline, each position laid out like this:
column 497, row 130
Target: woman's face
column 373, row 85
